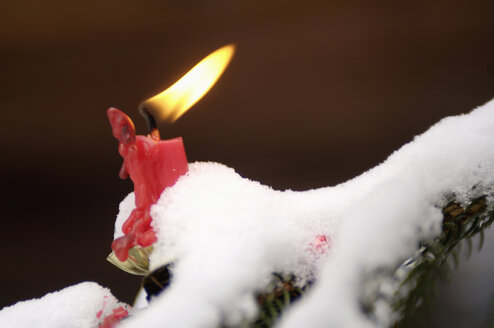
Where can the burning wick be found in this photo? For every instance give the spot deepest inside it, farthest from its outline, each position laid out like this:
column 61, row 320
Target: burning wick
column 150, row 122
column 154, row 164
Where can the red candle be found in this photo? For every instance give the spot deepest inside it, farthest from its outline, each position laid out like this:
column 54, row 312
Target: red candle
column 153, row 165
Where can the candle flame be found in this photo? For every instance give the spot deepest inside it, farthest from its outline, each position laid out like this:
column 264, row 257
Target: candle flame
column 172, row 103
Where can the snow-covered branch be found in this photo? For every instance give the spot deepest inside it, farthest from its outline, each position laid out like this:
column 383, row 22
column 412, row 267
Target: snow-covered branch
column 226, row 234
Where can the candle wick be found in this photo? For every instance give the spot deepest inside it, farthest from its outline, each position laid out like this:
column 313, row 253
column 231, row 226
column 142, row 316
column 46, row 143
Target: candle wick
column 150, row 122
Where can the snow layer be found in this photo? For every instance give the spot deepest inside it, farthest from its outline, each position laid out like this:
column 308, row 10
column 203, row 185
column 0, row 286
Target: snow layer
column 453, row 158
column 73, row 307
column 227, row 233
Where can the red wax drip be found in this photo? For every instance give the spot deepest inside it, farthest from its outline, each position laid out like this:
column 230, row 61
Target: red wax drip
column 152, row 165
column 320, row 244
column 111, row 320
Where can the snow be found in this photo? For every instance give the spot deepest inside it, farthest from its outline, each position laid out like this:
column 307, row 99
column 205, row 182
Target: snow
column 451, row 158
column 226, row 234
column 73, row 307
column 125, row 208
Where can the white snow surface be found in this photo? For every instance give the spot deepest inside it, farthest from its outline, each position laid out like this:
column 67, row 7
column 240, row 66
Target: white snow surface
column 73, row 307
column 227, row 233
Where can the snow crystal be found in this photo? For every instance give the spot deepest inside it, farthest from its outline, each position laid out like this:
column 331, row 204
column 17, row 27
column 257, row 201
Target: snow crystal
column 73, row 307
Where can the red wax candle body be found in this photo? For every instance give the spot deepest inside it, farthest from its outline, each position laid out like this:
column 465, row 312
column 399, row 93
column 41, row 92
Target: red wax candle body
column 152, row 165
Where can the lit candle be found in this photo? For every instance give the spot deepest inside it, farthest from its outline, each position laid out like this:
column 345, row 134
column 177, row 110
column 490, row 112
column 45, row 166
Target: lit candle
column 154, row 164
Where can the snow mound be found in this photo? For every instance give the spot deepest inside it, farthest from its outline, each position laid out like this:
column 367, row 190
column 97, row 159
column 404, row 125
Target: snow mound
column 73, row 307
column 226, row 234
column 454, row 158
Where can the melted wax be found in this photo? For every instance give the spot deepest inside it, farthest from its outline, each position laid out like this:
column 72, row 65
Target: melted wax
column 152, row 164
column 113, row 319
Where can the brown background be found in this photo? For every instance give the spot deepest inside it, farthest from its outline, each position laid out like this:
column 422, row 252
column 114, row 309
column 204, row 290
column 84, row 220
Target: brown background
column 318, row 92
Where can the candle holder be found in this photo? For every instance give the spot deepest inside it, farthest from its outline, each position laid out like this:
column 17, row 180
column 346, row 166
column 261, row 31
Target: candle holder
column 137, row 262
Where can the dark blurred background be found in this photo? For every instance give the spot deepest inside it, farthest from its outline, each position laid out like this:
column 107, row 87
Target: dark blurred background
column 318, row 92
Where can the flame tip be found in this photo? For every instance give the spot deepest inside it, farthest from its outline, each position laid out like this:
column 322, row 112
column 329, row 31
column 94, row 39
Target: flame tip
column 190, row 88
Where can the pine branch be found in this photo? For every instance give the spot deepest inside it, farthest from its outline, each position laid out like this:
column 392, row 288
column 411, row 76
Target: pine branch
column 280, row 294
column 437, row 259
column 433, row 261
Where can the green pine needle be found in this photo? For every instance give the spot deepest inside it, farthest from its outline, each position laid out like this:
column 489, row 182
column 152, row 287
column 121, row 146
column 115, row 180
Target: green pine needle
column 439, row 257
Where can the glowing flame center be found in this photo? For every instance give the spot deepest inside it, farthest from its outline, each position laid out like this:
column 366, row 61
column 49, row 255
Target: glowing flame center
column 176, row 100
